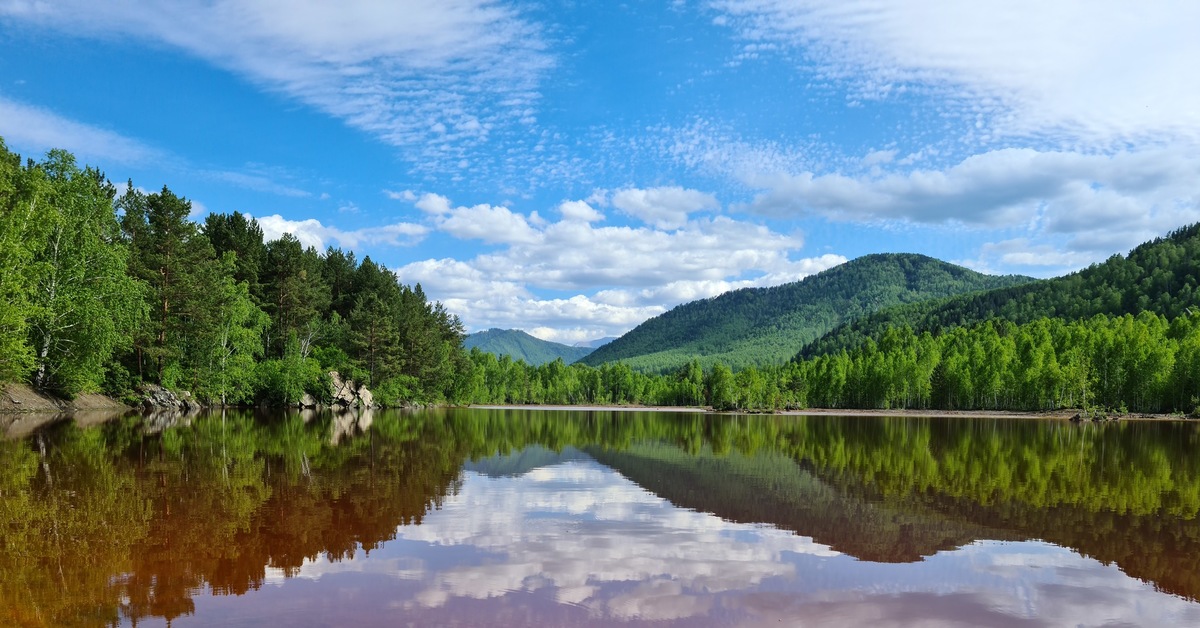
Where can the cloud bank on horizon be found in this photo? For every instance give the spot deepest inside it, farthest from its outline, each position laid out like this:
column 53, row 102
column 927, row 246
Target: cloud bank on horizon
column 573, row 169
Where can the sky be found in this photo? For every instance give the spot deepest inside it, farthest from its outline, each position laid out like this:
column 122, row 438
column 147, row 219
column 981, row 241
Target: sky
column 573, row 168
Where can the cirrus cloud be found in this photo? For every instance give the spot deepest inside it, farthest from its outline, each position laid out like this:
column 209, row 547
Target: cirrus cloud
column 1105, row 72
column 434, row 78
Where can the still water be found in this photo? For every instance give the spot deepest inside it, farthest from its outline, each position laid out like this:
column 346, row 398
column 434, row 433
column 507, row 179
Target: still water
column 553, row 517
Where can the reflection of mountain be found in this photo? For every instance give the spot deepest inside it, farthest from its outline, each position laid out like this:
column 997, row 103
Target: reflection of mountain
column 771, row 488
column 523, row 461
column 851, row 517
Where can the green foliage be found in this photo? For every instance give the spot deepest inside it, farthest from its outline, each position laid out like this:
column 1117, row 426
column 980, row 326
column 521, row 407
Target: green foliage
column 1140, row 363
column 519, row 345
column 762, row 326
column 21, row 206
column 283, row 381
column 80, row 302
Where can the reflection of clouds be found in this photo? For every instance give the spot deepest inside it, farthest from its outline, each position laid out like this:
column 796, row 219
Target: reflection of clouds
column 580, row 535
column 577, row 527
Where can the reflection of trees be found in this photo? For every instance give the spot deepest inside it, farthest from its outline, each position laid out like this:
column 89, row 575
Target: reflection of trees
column 131, row 526
column 70, row 521
column 113, row 522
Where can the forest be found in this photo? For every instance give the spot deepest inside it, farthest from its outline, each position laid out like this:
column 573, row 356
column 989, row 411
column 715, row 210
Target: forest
column 109, row 293
column 106, row 293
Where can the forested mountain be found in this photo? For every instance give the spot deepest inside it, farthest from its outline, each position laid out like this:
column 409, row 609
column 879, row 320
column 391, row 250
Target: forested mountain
column 519, row 345
column 758, row 326
column 1159, row 276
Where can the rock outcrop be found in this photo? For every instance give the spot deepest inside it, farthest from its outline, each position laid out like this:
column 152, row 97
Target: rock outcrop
column 155, row 398
column 347, row 394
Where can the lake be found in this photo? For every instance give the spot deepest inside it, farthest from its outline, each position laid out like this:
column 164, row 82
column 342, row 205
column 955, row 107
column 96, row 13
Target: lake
column 517, row 517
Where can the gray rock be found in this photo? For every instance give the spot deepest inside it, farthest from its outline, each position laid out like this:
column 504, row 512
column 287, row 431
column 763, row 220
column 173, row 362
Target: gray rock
column 365, row 398
column 347, row 394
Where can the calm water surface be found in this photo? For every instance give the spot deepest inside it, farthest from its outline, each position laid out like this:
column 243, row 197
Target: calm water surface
column 536, row 518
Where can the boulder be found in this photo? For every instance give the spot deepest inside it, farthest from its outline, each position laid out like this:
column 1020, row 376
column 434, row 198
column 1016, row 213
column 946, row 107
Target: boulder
column 342, row 391
column 156, row 398
column 308, row 401
column 365, row 398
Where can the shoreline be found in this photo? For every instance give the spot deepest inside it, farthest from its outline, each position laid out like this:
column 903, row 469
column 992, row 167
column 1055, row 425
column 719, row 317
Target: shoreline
column 17, row 400
column 1054, row 415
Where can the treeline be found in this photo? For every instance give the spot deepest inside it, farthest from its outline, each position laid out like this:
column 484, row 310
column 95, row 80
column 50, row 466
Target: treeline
column 1143, row 363
column 107, row 293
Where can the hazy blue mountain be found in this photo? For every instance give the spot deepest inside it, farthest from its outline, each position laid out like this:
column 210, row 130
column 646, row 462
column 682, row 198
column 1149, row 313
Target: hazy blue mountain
column 521, row 346
column 595, row 344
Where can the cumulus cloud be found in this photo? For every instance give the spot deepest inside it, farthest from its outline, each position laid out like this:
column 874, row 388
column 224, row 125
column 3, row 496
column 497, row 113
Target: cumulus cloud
column 1100, row 72
column 311, row 232
column 25, row 127
column 433, row 77
column 579, row 211
column 488, row 223
column 663, row 207
column 592, row 280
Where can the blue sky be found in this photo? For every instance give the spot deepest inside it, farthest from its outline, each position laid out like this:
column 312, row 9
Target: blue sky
column 573, row 168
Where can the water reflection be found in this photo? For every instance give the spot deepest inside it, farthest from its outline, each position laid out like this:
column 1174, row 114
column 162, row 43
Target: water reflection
column 536, row 518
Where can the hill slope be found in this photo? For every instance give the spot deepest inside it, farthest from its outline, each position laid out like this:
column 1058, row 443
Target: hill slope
column 756, row 326
column 1159, row 276
column 521, row 346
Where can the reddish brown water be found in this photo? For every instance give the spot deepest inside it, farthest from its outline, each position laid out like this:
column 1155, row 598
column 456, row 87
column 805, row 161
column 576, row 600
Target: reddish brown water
column 548, row 518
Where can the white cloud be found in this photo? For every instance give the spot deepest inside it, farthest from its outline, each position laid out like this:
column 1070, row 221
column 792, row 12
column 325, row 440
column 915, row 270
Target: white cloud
column 579, row 211
column 587, row 281
column 25, row 127
column 663, row 207
column 488, row 223
column 1090, row 204
column 1104, row 72
column 403, row 195
column 311, row 232
column 434, row 77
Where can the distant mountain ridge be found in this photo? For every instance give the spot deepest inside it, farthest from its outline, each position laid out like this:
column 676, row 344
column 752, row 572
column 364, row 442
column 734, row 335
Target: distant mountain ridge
column 519, row 345
column 758, row 326
column 595, row 344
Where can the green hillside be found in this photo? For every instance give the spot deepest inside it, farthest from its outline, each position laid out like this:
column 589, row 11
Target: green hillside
column 521, row 346
column 1159, row 276
column 757, row 326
